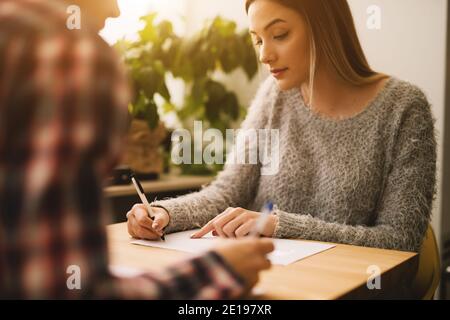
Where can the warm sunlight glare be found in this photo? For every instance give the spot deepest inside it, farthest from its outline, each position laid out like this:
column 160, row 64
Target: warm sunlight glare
column 128, row 23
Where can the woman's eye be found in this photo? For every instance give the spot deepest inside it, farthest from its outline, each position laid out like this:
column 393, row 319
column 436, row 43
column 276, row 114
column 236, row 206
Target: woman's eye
column 282, row 36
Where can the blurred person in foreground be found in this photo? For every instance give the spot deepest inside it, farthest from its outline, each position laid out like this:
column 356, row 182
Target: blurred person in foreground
column 63, row 116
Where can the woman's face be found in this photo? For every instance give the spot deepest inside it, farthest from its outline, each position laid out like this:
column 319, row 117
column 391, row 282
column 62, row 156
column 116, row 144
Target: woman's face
column 281, row 38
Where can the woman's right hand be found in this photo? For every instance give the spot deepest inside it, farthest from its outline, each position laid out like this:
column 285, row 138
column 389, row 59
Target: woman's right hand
column 140, row 226
column 247, row 257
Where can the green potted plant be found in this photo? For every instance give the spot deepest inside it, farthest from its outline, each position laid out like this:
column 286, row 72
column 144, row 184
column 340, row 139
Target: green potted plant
column 158, row 51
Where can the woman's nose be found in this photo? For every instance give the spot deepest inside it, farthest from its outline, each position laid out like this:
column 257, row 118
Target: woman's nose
column 115, row 11
column 266, row 56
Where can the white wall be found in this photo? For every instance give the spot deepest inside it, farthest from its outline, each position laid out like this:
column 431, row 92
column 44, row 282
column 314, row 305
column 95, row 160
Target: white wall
column 410, row 45
column 198, row 10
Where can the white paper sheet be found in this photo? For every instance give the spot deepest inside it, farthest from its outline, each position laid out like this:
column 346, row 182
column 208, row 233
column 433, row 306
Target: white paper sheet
column 285, row 253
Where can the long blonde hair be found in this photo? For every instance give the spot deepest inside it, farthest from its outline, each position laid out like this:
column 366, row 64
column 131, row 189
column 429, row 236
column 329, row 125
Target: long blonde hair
column 334, row 39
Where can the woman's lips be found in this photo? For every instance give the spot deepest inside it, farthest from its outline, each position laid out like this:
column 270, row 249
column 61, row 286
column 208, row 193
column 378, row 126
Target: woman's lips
column 278, row 73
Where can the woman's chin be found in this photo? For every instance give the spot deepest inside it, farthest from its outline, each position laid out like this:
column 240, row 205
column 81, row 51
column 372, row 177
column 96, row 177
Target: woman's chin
column 285, row 85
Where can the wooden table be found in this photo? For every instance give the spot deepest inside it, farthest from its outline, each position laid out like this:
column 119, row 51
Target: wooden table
column 338, row 273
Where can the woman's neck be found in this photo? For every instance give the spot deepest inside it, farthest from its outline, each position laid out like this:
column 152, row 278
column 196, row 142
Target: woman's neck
column 336, row 98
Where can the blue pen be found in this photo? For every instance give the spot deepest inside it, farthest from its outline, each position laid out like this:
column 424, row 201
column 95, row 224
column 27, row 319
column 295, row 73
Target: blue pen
column 262, row 220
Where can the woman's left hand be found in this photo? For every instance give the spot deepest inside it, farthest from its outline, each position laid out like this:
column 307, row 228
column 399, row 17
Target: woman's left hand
column 236, row 223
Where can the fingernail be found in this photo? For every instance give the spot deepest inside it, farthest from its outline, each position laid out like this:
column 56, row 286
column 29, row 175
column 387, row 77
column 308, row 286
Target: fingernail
column 156, row 226
column 193, row 235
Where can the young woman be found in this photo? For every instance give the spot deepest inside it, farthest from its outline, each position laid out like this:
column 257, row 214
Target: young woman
column 357, row 147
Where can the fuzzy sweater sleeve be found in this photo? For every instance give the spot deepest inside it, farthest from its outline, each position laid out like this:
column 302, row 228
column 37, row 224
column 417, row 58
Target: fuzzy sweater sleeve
column 404, row 209
column 235, row 186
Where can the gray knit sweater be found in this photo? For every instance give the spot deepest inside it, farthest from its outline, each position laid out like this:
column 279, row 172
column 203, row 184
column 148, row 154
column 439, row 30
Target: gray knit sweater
column 368, row 180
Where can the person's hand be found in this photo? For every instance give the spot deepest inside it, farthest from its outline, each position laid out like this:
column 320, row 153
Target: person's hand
column 247, row 257
column 140, row 226
column 236, row 223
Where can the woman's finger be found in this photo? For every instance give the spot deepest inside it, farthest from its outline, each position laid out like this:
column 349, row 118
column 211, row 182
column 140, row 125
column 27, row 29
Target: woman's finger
column 245, row 229
column 142, row 232
column 159, row 222
column 231, row 227
column 209, row 226
column 206, row 228
column 143, row 218
column 129, row 226
column 225, row 219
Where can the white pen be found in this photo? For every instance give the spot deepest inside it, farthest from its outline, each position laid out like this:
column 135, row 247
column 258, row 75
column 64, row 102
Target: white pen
column 140, row 192
column 262, row 220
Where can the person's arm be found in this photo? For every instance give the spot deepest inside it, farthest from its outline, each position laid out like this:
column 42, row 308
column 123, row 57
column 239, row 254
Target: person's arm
column 235, row 186
column 206, row 277
column 404, row 211
column 52, row 215
column 230, row 270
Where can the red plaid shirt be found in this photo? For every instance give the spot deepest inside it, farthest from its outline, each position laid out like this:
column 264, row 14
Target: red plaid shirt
column 63, row 115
